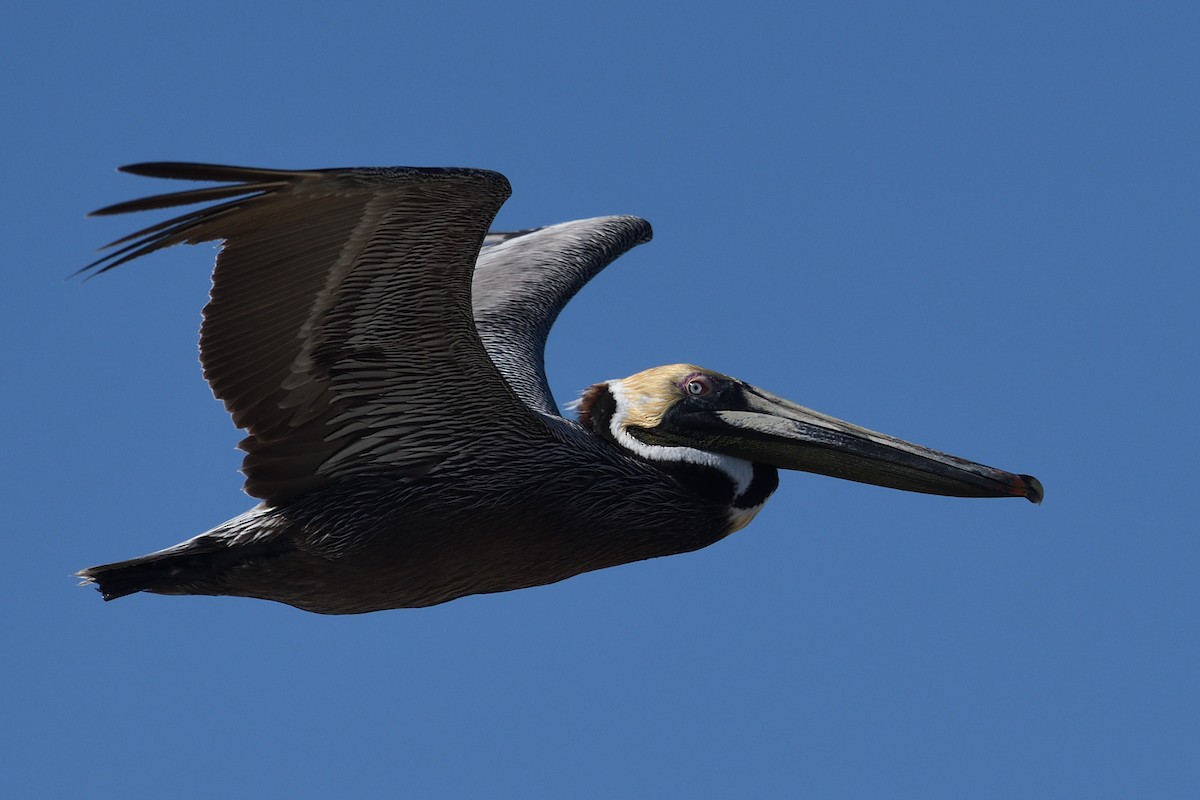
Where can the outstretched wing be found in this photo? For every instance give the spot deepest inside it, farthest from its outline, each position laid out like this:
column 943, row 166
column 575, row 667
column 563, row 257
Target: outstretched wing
column 523, row 280
column 339, row 332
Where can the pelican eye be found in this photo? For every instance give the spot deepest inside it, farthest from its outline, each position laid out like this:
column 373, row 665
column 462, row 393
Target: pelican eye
column 697, row 385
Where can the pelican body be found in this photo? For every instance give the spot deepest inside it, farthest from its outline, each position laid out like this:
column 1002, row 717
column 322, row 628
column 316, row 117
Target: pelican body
column 384, row 353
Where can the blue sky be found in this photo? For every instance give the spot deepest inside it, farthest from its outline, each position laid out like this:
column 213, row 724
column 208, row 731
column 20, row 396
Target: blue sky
column 973, row 226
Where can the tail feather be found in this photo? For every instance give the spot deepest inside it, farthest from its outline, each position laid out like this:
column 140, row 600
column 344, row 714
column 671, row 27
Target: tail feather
column 196, row 567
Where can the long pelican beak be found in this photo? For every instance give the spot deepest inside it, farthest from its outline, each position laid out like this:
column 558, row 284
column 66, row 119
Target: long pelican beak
column 770, row 430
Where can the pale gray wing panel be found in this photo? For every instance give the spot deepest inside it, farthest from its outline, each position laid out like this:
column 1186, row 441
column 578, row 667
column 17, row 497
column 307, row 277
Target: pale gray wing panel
column 523, row 281
column 496, row 237
column 339, row 330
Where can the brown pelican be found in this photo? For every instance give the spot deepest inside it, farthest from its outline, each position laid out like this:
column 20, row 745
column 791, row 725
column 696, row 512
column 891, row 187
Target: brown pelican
column 384, row 353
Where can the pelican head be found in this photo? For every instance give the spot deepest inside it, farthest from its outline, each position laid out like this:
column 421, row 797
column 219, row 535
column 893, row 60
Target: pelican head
column 684, row 414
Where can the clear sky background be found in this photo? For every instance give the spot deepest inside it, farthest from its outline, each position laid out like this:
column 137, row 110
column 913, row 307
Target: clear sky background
column 972, row 225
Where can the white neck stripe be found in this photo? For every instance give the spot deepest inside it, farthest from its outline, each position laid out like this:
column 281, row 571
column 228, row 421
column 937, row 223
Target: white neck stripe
column 740, row 471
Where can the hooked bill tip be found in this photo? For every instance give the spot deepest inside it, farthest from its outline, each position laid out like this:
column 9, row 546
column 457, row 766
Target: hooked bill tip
column 1033, row 489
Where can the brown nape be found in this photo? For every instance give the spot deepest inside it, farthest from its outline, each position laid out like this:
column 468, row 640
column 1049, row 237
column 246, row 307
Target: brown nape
column 587, row 405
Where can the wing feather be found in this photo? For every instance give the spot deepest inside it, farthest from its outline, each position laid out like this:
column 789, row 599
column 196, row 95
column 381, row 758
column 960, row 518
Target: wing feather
column 525, row 278
column 339, row 330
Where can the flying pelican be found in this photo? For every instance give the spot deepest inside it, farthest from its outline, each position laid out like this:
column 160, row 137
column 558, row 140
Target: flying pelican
column 384, row 353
